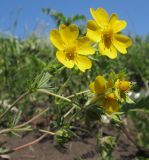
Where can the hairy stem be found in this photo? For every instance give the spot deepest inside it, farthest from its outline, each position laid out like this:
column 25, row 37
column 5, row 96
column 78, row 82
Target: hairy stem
column 14, row 103
column 77, row 94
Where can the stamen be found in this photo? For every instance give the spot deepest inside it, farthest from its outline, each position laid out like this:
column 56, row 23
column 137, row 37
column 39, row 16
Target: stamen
column 70, row 56
column 107, row 37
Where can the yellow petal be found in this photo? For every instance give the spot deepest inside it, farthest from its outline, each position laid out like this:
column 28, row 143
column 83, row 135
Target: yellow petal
column 110, row 52
column 61, row 56
column 83, row 63
column 111, row 106
column 68, row 33
column 92, row 87
column 84, row 46
column 116, row 24
column 100, row 16
column 100, row 84
column 110, row 96
column 113, row 19
column 93, row 31
column 121, row 42
column 119, row 25
column 124, row 85
column 56, row 40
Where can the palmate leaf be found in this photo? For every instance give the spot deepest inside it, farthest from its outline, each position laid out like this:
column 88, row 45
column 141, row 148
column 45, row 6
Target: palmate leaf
column 78, row 17
column 44, row 80
column 57, row 16
column 60, row 18
column 41, row 81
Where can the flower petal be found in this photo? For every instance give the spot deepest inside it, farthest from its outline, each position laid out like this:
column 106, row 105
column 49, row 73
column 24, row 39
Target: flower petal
column 110, row 52
column 116, row 24
column 92, row 87
column 100, row 16
column 113, row 19
column 124, row 85
column 68, row 33
column 84, row 46
column 111, row 106
column 121, row 42
column 83, row 63
column 93, row 31
column 100, row 84
column 119, row 25
column 61, row 56
column 56, row 40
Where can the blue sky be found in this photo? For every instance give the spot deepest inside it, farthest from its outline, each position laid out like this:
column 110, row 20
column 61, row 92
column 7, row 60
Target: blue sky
column 29, row 15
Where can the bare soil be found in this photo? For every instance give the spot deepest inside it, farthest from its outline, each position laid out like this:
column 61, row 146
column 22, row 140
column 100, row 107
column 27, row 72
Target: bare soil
column 73, row 150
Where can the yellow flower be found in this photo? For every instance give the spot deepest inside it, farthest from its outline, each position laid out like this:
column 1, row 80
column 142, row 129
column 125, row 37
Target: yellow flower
column 110, row 96
column 99, row 85
column 110, row 105
column 71, row 49
column 123, row 85
column 108, row 100
column 106, row 30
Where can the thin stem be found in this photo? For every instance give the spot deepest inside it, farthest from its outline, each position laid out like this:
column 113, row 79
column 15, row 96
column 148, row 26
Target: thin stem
column 45, row 131
column 123, row 128
column 69, row 111
column 81, row 129
column 14, row 129
column 53, row 94
column 25, row 145
column 61, row 97
column 77, row 94
column 64, row 84
column 14, row 103
column 32, row 119
column 58, row 96
column 19, row 127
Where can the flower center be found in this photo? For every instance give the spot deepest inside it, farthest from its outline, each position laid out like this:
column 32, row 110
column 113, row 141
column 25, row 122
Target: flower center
column 107, row 37
column 110, row 96
column 70, row 56
column 70, row 52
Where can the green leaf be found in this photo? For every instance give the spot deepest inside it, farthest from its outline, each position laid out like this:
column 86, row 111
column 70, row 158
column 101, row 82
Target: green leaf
column 44, row 80
column 63, row 135
column 94, row 113
column 116, row 117
column 129, row 100
column 139, row 110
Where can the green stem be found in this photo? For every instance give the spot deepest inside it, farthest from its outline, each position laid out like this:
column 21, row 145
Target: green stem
column 14, row 103
column 4, row 131
column 58, row 96
column 45, row 131
column 61, row 97
column 64, row 84
column 19, row 127
column 67, row 113
column 53, row 94
column 32, row 119
column 77, row 94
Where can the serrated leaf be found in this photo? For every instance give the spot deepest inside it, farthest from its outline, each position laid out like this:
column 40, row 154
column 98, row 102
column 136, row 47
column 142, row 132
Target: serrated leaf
column 129, row 100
